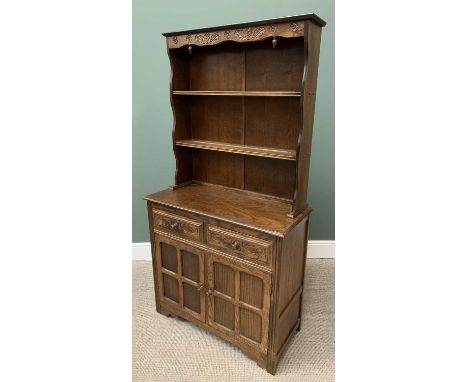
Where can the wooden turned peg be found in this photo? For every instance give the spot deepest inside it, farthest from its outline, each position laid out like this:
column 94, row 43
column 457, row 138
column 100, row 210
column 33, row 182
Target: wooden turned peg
column 274, row 42
column 190, row 49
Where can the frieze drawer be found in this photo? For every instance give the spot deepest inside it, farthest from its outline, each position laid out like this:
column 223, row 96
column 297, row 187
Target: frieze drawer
column 247, row 247
column 177, row 225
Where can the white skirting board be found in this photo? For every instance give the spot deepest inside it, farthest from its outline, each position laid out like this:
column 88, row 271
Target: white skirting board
column 316, row 249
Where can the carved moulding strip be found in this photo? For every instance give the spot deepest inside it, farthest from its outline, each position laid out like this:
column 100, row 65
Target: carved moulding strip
column 262, row 32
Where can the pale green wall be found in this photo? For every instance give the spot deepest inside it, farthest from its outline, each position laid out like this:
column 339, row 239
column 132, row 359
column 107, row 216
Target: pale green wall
column 153, row 159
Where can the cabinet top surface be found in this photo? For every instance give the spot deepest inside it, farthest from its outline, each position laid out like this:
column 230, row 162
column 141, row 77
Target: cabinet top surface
column 235, row 206
column 312, row 16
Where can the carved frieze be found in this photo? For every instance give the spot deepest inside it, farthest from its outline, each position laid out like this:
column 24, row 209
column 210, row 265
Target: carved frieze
column 257, row 33
column 244, row 246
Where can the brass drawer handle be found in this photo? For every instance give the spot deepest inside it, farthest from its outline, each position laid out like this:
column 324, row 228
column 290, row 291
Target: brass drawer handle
column 235, row 245
column 174, row 226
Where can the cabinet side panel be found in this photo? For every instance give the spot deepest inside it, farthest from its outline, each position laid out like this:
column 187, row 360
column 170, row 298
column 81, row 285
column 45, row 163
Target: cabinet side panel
column 311, row 62
column 153, row 254
column 181, row 113
column 290, row 279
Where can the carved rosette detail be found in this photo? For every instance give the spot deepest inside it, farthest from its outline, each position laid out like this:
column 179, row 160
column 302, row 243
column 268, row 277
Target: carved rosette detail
column 175, row 40
column 248, row 34
column 207, row 38
column 294, row 27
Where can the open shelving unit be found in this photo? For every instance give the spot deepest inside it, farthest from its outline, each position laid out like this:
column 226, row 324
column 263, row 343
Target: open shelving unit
column 243, row 110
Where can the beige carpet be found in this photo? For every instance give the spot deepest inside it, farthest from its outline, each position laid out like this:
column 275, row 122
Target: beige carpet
column 169, row 349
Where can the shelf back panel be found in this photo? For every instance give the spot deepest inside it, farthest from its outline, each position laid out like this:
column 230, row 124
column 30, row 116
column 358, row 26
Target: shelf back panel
column 274, row 69
column 217, row 167
column 272, row 122
column 218, row 119
column 270, row 176
column 218, row 67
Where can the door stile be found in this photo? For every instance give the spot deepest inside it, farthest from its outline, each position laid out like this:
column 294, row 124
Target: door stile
column 210, row 297
column 236, row 301
column 179, row 278
column 159, row 267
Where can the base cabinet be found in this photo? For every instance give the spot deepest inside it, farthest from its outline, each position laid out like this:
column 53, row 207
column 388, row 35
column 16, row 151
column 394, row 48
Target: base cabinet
column 245, row 286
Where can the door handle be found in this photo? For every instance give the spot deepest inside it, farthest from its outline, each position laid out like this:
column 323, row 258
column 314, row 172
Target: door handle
column 209, row 292
column 201, row 287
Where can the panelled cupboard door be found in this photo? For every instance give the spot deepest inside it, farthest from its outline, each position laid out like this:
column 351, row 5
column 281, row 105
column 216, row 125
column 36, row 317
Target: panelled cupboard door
column 239, row 300
column 181, row 276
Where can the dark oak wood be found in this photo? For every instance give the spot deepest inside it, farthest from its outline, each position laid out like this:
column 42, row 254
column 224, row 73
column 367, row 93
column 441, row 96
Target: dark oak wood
column 311, row 16
column 252, row 210
column 229, row 239
column 311, row 61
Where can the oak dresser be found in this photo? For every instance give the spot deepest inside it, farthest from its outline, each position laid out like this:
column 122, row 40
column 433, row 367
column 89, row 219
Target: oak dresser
column 229, row 239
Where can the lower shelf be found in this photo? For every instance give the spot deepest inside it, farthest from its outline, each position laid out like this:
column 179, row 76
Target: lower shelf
column 239, row 149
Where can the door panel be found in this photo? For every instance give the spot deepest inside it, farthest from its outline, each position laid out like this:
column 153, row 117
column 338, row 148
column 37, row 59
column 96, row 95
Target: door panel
column 181, row 276
column 191, row 298
column 251, row 291
column 171, row 287
column 239, row 299
column 251, row 325
column 224, row 313
column 223, row 279
column 190, row 266
column 169, row 257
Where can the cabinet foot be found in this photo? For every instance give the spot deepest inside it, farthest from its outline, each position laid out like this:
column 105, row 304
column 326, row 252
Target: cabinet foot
column 271, row 367
column 165, row 313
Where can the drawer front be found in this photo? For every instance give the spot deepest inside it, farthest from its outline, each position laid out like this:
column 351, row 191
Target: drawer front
column 178, row 225
column 247, row 247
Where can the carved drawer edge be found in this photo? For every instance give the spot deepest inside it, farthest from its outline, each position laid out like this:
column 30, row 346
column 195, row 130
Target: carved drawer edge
column 257, row 33
column 248, row 247
column 178, row 225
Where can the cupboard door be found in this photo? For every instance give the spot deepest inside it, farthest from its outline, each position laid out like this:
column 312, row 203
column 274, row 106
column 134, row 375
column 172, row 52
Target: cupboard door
column 181, row 276
column 239, row 300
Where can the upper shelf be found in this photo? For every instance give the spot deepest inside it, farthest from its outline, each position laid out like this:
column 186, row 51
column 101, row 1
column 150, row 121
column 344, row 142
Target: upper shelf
column 237, row 93
column 239, row 149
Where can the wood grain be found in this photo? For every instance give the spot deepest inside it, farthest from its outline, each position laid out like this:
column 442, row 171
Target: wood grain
column 270, row 176
column 235, row 206
column 219, row 119
column 219, row 168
